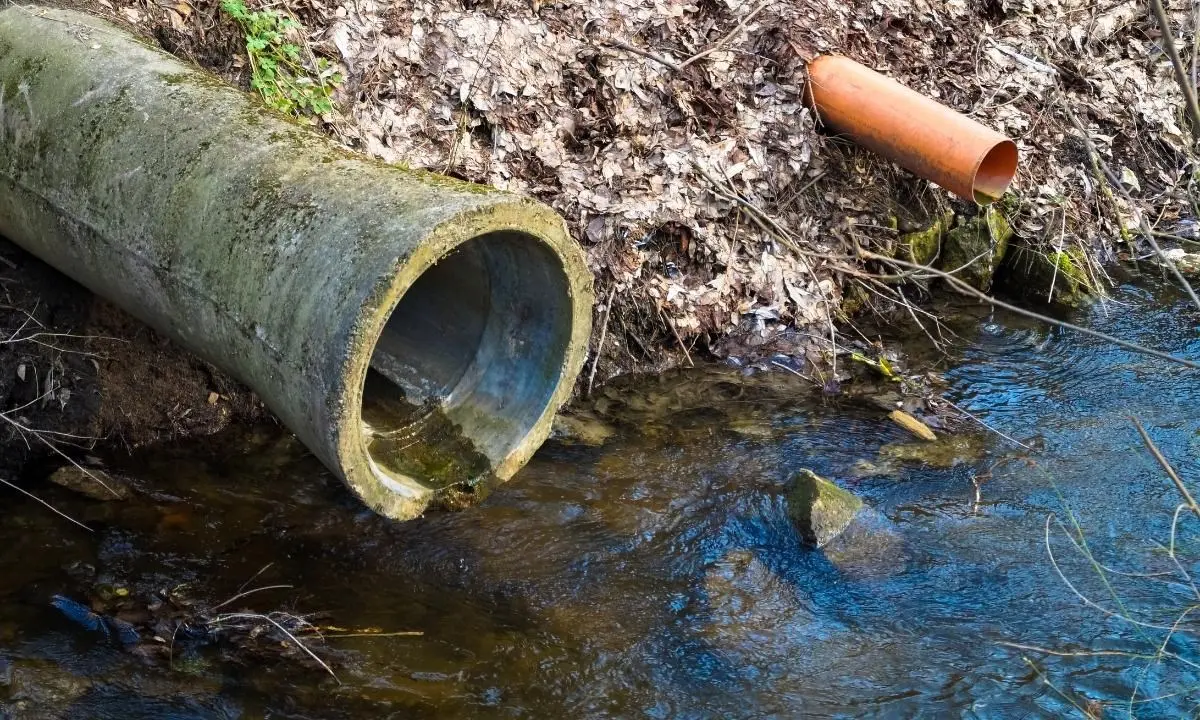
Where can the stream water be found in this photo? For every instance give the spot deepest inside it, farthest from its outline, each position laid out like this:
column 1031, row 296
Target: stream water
column 658, row 575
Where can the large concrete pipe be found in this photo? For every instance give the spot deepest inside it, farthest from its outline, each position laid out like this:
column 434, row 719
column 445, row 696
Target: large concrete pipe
column 417, row 333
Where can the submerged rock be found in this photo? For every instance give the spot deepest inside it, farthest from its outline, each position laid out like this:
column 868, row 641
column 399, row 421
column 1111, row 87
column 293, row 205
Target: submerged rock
column 43, row 689
column 745, row 603
column 869, row 547
column 819, row 509
column 91, row 482
column 974, row 250
column 948, row 451
column 581, row 429
column 856, row 539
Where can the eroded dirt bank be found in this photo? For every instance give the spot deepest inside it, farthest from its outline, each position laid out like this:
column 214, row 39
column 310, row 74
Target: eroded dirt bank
column 77, row 374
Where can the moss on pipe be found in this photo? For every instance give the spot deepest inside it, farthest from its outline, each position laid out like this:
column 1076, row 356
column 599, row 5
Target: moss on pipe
column 286, row 260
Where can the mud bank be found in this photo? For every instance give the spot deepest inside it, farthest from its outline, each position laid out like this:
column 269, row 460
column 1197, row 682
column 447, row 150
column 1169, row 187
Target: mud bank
column 79, row 376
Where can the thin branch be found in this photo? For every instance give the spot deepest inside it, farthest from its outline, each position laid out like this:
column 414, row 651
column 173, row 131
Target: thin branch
column 1086, row 600
column 603, row 337
column 241, row 595
column 622, row 45
column 399, row 633
column 257, row 616
column 979, row 420
column 1181, row 76
column 52, row 509
column 682, row 346
column 732, row 34
column 966, row 289
column 1166, row 465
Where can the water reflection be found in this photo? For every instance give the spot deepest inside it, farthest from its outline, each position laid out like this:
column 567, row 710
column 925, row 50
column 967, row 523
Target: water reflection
column 658, row 575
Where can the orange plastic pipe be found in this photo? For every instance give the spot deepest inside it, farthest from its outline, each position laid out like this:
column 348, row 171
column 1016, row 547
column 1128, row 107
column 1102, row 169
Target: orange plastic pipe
column 946, row 147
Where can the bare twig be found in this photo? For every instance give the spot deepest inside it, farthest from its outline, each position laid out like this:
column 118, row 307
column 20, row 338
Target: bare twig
column 732, row 34
column 622, row 45
column 1166, row 466
column 1181, row 75
column 603, row 336
column 52, row 509
column 399, row 633
column 258, row 616
column 1046, row 681
column 979, row 420
column 1086, row 600
column 682, row 346
column 966, row 289
column 241, row 595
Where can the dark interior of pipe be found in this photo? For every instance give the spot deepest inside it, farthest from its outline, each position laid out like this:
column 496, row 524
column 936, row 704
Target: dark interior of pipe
column 468, row 360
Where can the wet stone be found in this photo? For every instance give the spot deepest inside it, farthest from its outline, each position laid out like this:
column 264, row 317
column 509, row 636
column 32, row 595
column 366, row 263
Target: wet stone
column 819, row 509
column 92, row 483
column 974, row 250
column 581, row 429
column 946, row 452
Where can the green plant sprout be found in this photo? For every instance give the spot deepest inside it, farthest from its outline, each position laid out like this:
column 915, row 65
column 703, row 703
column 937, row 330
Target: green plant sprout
column 278, row 71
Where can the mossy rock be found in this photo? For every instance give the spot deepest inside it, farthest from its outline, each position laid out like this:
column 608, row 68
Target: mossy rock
column 922, row 247
column 974, row 250
column 853, row 300
column 819, row 509
column 581, row 429
column 1033, row 274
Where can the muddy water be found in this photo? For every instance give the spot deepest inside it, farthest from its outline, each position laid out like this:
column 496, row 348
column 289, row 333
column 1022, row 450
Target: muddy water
column 657, row 575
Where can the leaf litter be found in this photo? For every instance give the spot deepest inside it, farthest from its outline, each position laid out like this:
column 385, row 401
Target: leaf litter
column 621, row 114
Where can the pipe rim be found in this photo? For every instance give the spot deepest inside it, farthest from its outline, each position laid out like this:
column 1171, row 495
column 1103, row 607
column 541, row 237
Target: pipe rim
column 995, row 172
column 384, row 492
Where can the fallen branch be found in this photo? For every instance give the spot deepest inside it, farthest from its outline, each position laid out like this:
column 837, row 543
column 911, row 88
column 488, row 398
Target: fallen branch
column 603, row 336
column 732, row 34
column 622, row 45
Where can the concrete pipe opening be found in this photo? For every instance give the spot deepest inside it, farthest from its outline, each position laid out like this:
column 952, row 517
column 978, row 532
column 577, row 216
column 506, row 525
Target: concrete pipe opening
column 416, row 332
column 466, row 365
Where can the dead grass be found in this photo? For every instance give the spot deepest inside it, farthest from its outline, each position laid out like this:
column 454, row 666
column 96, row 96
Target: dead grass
column 1156, row 628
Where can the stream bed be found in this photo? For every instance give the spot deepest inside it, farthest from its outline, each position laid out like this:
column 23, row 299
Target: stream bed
column 658, row 575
